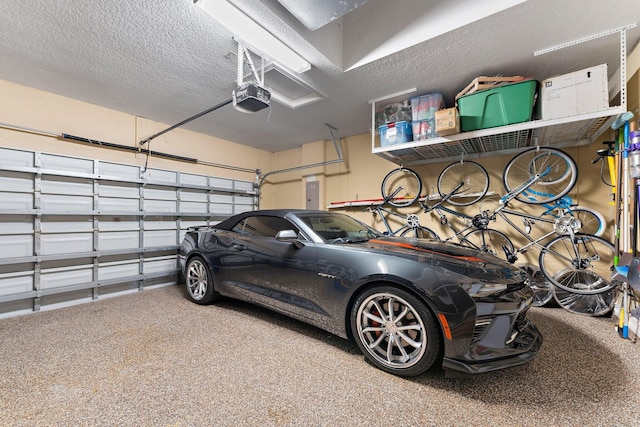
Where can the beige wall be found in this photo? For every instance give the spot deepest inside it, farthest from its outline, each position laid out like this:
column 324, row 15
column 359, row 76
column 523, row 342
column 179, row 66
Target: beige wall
column 41, row 111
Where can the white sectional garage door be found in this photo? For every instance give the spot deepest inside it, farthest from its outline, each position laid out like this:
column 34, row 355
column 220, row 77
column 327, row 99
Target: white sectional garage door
column 73, row 230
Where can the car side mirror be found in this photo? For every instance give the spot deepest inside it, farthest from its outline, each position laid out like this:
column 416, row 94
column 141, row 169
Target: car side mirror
column 289, row 236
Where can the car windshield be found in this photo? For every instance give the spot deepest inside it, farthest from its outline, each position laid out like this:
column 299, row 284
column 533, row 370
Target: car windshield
column 338, row 228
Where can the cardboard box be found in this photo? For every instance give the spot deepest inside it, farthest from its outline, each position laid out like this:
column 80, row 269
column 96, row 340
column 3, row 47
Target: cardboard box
column 576, row 93
column 447, row 122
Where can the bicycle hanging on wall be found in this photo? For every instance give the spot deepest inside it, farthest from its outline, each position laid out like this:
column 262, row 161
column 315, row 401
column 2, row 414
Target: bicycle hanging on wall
column 401, row 187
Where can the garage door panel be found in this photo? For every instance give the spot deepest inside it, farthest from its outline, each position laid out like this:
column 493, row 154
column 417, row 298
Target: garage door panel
column 15, row 283
column 112, row 204
column 66, row 185
column 157, row 265
column 65, row 203
column 16, row 201
column 123, row 190
column 65, row 276
column 118, row 240
column 67, row 243
column 17, row 158
column 157, row 238
column 193, row 196
column 193, row 207
column 194, row 180
column 66, row 224
column 118, row 223
column 66, row 164
column 160, row 206
column 54, row 301
column 17, row 182
column 118, row 269
column 15, row 246
column 108, row 169
column 74, row 229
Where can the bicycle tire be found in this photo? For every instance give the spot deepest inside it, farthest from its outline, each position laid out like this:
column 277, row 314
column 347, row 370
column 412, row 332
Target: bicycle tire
column 474, row 178
column 591, row 220
column 401, row 187
column 420, row 233
column 489, row 241
column 541, row 287
column 586, row 272
column 594, row 305
column 558, row 171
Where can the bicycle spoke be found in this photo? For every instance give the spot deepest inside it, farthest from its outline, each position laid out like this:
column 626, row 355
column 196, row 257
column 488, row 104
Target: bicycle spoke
column 556, row 170
column 401, row 187
column 463, row 183
column 580, row 265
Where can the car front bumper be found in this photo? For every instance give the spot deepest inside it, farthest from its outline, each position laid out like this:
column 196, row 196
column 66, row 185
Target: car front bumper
column 523, row 347
column 502, row 336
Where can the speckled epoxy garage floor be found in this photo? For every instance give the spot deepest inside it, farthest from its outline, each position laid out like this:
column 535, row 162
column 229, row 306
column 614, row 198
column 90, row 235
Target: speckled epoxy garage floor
column 154, row 358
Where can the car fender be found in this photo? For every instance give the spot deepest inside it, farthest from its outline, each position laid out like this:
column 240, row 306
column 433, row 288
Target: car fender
column 443, row 299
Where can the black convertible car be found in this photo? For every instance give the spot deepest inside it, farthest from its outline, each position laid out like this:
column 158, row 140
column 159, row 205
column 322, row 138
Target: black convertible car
column 409, row 304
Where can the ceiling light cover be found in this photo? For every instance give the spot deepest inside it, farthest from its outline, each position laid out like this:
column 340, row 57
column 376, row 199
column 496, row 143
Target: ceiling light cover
column 254, row 35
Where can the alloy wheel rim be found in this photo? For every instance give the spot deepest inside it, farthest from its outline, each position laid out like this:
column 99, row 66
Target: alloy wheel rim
column 391, row 330
column 197, row 280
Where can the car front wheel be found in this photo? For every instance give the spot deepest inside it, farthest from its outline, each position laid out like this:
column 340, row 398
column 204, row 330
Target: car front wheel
column 199, row 282
column 396, row 331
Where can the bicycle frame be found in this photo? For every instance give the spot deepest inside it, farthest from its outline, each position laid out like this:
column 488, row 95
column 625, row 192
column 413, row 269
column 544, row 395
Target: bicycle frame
column 380, row 211
column 480, row 221
column 485, row 216
column 503, row 211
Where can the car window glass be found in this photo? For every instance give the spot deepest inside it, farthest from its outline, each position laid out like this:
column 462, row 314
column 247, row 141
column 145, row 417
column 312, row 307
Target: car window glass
column 331, row 227
column 263, row 226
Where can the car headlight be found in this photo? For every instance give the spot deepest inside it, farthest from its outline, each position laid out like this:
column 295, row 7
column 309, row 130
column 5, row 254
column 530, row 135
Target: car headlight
column 483, row 289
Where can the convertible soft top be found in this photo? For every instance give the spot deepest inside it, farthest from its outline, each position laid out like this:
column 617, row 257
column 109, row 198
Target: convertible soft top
column 228, row 223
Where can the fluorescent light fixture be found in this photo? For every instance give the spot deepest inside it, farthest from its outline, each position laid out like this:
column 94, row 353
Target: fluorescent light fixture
column 254, row 35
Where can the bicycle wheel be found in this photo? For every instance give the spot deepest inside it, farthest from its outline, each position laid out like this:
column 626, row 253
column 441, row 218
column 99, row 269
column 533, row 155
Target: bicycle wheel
column 420, row 233
column 542, row 288
column 591, row 305
column 473, row 177
column 558, row 174
column 488, row 240
column 580, row 265
column 401, row 187
column 592, row 221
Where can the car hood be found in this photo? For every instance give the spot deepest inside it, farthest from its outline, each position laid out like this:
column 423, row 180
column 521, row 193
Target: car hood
column 453, row 257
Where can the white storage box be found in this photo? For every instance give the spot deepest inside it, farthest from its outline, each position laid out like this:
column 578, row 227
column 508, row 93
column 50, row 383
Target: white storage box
column 576, row 93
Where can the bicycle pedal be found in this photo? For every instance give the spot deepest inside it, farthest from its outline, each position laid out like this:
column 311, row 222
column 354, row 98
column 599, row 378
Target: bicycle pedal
column 443, row 220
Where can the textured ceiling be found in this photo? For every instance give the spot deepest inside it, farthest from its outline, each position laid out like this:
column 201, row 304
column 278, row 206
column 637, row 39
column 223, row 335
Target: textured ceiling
column 167, row 60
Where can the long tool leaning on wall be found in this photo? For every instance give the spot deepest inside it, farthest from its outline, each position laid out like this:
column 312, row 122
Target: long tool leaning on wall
column 626, row 262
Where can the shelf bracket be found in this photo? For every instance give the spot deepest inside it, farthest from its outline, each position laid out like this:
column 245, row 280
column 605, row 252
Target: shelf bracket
column 584, row 39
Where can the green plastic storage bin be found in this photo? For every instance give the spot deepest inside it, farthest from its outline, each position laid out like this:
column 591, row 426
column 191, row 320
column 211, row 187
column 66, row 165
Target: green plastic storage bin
column 499, row 106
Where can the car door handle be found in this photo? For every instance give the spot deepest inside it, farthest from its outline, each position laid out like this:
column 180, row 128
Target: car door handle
column 239, row 247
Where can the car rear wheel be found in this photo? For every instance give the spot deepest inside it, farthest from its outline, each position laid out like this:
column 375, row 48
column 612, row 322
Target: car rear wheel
column 199, row 282
column 396, row 331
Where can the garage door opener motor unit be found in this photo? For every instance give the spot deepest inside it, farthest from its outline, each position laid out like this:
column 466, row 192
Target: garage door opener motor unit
column 250, row 96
